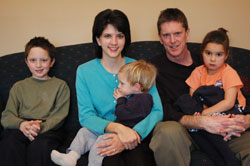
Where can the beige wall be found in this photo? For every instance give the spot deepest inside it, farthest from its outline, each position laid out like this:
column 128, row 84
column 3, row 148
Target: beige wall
column 67, row 22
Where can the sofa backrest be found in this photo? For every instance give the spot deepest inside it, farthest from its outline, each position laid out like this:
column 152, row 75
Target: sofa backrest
column 13, row 68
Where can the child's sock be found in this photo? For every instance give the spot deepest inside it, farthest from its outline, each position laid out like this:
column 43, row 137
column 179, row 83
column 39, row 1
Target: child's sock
column 68, row 159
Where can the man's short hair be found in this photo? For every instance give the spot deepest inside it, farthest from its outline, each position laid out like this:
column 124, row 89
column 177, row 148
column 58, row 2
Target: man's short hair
column 172, row 14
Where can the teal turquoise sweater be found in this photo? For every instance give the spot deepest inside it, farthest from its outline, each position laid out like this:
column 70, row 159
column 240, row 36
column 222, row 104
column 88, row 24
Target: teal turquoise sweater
column 96, row 104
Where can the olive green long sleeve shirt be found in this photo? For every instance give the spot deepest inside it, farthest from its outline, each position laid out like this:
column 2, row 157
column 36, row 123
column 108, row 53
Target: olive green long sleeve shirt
column 33, row 99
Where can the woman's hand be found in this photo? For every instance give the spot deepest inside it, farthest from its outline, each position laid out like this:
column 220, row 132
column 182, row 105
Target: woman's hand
column 112, row 147
column 129, row 137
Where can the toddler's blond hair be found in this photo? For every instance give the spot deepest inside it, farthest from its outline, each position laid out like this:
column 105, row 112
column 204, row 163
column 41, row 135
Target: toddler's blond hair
column 140, row 72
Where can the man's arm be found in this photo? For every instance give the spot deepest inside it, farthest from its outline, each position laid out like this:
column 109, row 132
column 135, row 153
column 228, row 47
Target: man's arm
column 215, row 124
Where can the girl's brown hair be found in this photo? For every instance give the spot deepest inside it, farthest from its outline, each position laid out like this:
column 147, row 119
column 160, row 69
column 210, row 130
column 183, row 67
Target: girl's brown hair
column 219, row 37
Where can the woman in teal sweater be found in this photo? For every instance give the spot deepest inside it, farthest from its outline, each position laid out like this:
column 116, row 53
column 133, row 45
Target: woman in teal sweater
column 95, row 84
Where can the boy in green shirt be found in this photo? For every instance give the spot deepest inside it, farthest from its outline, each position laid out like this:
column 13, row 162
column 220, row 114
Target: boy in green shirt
column 36, row 109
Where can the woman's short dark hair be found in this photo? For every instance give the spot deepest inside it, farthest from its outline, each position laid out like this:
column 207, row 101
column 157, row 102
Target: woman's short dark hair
column 42, row 43
column 116, row 18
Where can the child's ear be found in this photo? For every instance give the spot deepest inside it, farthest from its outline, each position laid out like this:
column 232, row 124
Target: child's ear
column 137, row 87
column 52, row 62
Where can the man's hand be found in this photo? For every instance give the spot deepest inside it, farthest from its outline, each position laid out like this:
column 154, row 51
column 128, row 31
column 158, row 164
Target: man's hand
column 242, row 120
column 222, row 125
